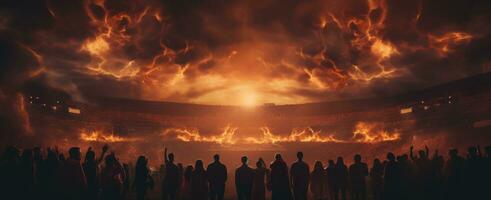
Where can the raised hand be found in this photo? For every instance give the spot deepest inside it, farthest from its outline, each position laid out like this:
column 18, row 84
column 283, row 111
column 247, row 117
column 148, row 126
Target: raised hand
column 105, row 148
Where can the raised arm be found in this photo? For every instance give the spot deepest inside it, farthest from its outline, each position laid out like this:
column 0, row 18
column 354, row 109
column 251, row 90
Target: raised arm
column 292, row 182
column 226, row 173
column 86, row 153
column 166, row 160
column 427, row 151
column 103, row 153
column 411, row 152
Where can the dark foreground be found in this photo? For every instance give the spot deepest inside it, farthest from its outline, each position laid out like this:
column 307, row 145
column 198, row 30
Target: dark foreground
column 50, row 174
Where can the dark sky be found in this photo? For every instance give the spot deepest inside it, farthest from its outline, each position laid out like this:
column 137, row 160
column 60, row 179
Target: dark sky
column 242, row 52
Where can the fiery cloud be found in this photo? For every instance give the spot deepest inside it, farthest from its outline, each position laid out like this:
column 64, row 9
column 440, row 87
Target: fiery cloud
column 240, row 52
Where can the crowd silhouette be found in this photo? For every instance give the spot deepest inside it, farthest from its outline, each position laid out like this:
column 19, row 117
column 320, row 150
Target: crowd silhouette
column 37, row 174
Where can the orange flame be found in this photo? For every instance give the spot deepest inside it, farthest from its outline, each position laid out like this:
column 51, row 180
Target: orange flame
column 368, row 133
column 99, row 136
column 297, row 135
column 193, row 135
column 363, row 133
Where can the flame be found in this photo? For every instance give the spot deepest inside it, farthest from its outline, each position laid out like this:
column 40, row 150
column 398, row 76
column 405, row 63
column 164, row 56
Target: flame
column 99, row 136
column 363, row 133
column 193, row 135
column 368, row 133
column 297, row 135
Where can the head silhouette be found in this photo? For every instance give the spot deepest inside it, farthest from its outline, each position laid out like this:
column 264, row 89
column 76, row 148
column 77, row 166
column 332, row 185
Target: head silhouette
column 216, row 158
column 422, row 154
column 90, row 156
column 27, row 156
column 340, row 161
column 11, row 153
column 318, row 166
column 390, row 156
column 453, row 153
column 472, row 151
column 110, row 160
column 300, row 156
column 260, row 163
column 141, row 162
column 377, row 163
column 244, row 160
column 74, row 153
column 187, row 172
column 171, row 157
column 487, row 149
column 198, row 166
column 278, row 157
column 357, row 158
column 331, row 163
column 37, row 153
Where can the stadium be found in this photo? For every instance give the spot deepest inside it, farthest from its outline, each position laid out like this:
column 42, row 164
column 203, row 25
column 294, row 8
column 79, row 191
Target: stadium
column 450, row 114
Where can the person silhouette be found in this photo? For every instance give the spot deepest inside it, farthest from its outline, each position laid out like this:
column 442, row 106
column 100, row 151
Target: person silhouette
column 143, row 181
column 112, row 178
column 331, row 178
column 279, row 183
column 73, row 181
column 391, row 178
column 341, row 183
column 261, row 175
column 299, row 176
column 217, row 176
column 487, row 172
column 52, row 169
column 243, row 180
column 27, row 174
column 199, row 182
column 317, row 180
column 376, row 177
column 474, row 174
column 40, row 177
column 357, row 173
column 453, row 173
column 186, row 190
column 406, row 172
column 423, row 177
column 91, row 170
column 10, row 182
column 171, row 177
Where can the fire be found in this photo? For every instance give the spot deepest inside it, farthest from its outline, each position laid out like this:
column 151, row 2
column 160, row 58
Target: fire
column 363, row 133
column 99, row 136
column 193, row 135
column 371, row 133
column 297, row 135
